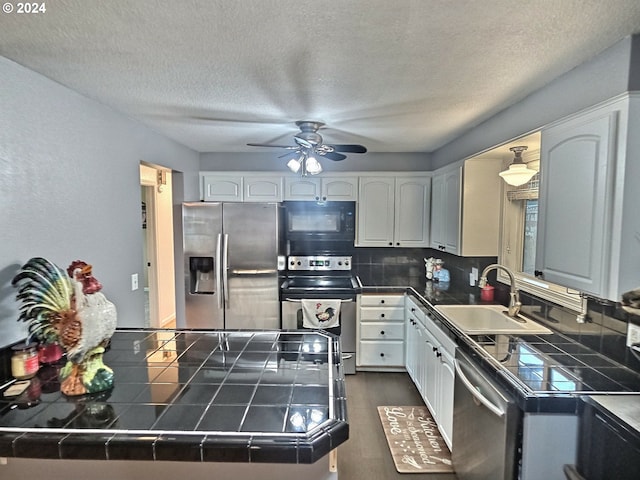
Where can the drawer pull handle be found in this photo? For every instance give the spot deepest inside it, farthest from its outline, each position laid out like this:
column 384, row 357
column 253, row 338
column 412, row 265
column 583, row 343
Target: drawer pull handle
column 381, row 332
column 382, row 301
column 382, row 315
column 382, row 354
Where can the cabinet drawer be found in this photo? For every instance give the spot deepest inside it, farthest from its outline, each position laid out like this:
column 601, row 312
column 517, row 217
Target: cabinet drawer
column 377, row 314
column 382, row 353
column 382, row 300
column 382, row 331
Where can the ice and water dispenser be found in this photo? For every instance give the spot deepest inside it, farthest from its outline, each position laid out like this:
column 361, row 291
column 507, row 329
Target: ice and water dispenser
column 201, row 275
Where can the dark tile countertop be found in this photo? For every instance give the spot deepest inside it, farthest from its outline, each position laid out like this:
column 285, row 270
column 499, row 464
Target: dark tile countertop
column 202, row 396
column 545, row 373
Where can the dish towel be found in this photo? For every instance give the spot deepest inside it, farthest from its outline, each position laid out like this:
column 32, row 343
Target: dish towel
column 320, row 313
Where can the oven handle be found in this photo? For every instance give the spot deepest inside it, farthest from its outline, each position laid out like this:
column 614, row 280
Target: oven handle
column 476, row 393
column 297, row 300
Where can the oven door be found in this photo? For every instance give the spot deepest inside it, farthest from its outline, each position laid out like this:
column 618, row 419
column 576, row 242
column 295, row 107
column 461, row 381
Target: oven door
column 292, row 320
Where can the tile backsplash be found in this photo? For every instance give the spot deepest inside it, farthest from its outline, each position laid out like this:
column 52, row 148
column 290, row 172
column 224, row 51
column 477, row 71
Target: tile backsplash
column 405, row 266
column 604, row 331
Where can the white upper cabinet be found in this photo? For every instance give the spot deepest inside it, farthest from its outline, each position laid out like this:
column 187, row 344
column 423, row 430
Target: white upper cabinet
column 343, row 188
column 445, row 210
column 262, row 189
column 393, row 211
column 222, row 188
column 588, row 226
column 340, row 188
column 465, row 208
column 241, row 187
column 412, row 211
column 375, row 212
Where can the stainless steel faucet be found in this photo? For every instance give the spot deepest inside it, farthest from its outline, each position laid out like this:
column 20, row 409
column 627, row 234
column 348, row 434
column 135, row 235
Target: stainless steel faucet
column 514, row 296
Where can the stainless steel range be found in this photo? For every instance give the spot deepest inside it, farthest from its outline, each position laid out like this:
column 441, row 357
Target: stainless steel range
column 322, row 278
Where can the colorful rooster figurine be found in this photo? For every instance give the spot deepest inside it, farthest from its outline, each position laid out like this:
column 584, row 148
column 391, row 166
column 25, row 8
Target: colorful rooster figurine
column 67, row 307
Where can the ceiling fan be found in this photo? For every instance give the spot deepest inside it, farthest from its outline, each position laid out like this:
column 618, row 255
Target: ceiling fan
column 309, row 146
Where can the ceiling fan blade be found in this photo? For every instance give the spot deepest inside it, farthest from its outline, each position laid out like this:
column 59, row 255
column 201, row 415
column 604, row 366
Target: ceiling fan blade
column 288, row 147
column 336, row 157
column 290, row 154
column 349, row 148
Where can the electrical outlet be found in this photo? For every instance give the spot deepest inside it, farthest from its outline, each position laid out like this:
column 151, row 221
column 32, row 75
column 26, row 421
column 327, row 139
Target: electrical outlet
column 134, row 281
column 633, row 334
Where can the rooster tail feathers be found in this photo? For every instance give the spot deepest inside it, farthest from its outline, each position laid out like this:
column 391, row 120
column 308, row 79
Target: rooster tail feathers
column 43, row 289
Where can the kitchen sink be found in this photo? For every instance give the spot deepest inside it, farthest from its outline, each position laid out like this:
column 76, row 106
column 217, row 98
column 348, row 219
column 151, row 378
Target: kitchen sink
column 489, row 319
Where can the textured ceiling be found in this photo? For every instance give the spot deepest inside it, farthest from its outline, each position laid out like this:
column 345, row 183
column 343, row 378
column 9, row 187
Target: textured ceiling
column 396, row 76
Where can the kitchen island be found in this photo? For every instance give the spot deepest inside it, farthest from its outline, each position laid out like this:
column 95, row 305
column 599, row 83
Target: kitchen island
column 237, row 403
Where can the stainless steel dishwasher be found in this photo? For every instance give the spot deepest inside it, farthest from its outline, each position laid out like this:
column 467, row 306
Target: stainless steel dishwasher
column 485, row 426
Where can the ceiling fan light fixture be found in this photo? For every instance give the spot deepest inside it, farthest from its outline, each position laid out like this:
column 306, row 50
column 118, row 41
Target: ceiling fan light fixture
column 312, row 166
column 518, row 173
column 309, row 144
column 294, row 165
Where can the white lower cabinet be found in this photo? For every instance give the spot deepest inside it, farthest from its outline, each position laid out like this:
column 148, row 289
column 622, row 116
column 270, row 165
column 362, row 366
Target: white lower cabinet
column 429, row 361
column 381, row 332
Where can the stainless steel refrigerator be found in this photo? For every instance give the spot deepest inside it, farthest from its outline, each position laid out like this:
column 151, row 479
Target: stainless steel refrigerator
column 232, row 262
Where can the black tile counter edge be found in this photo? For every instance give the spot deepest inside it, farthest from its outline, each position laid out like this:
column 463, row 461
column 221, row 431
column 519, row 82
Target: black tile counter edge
column 527, row 400
column 190, row 448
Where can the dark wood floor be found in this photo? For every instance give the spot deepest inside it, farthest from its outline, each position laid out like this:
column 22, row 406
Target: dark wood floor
column 365, row 456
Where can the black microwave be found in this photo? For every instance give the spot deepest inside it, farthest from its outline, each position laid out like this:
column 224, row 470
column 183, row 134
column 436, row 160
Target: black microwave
column 320, row 221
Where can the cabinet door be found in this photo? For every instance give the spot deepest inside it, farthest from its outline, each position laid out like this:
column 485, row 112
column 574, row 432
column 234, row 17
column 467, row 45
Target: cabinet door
column 340, row 189
column 410, row 354
column 302, row 188
column 451, row 229
column 431, row 372
column 375, row 212
column 262, row 189
column 222, row 188
column 412, row 211
column 445, row 211
column 575, row 198
column 445, row 402
column 438, row 211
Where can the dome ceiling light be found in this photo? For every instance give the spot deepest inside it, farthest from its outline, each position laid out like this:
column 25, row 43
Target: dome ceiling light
column 518, row 173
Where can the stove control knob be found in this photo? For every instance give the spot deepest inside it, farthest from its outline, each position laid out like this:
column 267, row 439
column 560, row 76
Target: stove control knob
column 340, row 263
column 299, row 262
column 346, row 262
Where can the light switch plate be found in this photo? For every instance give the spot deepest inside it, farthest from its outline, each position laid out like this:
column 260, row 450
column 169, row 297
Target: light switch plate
column 134, row 281
column 633, row 334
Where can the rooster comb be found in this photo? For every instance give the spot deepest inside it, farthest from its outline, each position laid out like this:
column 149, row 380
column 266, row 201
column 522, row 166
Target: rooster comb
column 75, row 264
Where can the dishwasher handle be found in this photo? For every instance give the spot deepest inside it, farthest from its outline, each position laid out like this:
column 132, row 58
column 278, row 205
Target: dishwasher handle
column 497, row 411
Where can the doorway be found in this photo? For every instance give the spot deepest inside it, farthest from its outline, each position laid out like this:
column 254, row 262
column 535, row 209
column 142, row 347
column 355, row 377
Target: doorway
column 157, row 247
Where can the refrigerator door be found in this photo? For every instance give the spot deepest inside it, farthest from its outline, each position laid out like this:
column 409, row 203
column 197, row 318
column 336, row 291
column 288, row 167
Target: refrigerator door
column 251, row 232
column 202, row 226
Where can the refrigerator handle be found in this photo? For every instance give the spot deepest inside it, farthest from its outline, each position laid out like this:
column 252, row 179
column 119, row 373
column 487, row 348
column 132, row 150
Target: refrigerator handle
column 225, row 269
column 218, row 280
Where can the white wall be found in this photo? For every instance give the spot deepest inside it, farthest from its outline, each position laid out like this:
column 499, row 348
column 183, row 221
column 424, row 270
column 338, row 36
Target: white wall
column 269, row 162
column 70, row 188
column 614, row 71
